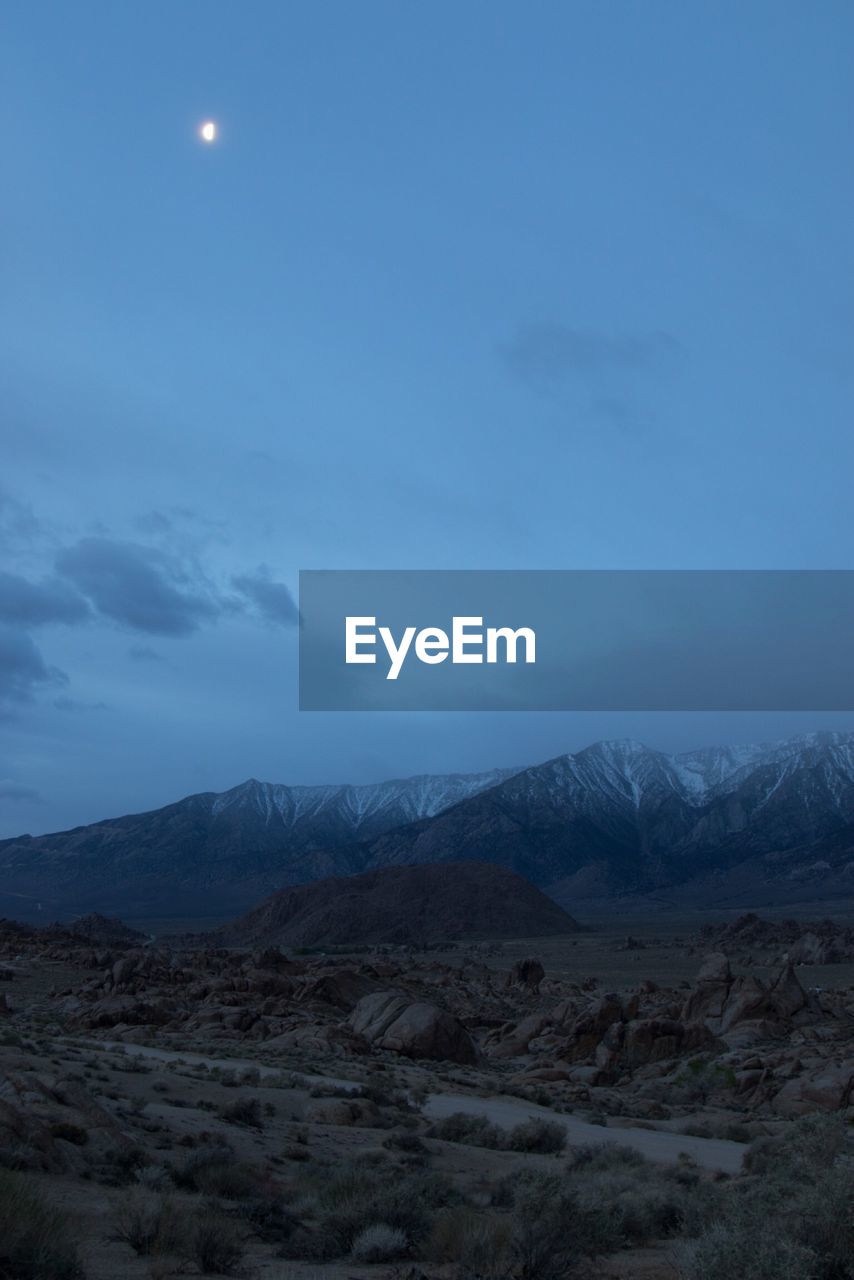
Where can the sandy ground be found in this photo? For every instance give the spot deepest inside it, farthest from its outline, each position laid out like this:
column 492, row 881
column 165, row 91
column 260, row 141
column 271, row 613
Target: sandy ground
column 665, row 1148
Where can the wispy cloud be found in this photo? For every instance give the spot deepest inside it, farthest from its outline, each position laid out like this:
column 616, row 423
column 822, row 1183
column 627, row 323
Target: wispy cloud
column 548, row 352
column 14, row 791
column 144, row 653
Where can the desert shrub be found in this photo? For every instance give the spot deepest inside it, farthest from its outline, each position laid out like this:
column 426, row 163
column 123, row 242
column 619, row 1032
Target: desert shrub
column 36, row 1241
column 477, row 1131
column 544, row 1136
column 734, row 1250
column 243, row 1111
column 354, row 1199
column 824, row 1222
column 408, row 1143
column 807, row 1146
column 215, row 1172
column 149, row 1224
column 798, row 1200
column 379, row 1243
column 543, row 1240
column 638, row 1209
column 643, row 1202
column 213, row 1244
column 479, row 1244
column 605, row 1157
column 119, row 1166
column 154, row 1177
column 69, row 1133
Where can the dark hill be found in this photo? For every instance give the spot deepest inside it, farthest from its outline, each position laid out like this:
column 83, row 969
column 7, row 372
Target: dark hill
column 417, row 904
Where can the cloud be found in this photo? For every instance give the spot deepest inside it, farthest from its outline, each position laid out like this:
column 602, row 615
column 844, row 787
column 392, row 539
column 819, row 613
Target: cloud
column 18, row 524
column 549, row 352
column 22, row 667
column 34, row 604
column 11, row 790
column 144, row 653
column 138, row 587
column 272, row 600
column 72, row 704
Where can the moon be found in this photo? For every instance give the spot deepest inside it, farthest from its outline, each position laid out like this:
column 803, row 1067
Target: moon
column 207, row 131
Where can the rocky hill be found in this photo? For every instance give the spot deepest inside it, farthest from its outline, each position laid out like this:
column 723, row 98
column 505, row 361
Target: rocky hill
column 417, row 905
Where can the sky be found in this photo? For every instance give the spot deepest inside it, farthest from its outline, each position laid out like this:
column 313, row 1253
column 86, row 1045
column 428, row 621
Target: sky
column 553, row 285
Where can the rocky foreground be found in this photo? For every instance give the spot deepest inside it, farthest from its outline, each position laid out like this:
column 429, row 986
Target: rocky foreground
column 123, row 1064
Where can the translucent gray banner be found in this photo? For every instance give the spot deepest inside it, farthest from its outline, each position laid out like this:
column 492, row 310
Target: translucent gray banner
column 577, row 640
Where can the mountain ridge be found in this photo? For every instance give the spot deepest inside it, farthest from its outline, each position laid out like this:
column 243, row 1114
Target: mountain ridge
column 613, row 820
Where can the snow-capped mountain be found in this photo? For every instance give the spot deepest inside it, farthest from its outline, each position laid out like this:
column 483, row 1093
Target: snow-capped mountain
column 747, row 825
column 216, row 853
column 772, row 822
column 361, row 810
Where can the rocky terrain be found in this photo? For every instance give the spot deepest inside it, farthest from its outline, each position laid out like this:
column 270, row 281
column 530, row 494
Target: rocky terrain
column 793, row 941
column 220, row 1110
column 413, row 905
column 617, row 822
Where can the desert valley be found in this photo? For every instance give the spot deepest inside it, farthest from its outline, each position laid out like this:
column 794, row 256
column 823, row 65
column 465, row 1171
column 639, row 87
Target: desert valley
column 433, row 1069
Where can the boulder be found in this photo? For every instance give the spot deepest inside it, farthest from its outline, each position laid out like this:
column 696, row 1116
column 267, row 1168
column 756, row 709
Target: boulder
column 514, row 1041
column 527, row 973
column 745, row 1005
column 390, row 1020
column 828, row 1088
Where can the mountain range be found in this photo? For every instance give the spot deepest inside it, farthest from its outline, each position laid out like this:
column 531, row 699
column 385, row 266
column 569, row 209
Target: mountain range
column 730, row 826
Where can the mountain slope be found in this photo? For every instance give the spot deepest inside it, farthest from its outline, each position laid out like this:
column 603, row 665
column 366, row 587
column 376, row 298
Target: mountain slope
column 423, row 904
column 620, row 819
column 214, row 853
column 742, row 826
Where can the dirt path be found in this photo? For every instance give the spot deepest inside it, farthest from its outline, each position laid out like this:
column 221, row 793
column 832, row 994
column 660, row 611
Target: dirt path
column 665, row 1148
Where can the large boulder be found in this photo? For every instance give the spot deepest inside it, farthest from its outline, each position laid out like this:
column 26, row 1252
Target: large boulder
column 744, row 1006
column 512, row 1040
column 827, row 1088
column 711, row 990
column 391, row 1020
column 629, row 1045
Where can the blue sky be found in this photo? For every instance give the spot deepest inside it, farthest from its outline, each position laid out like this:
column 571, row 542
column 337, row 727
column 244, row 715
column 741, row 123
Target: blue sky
column 550, row 285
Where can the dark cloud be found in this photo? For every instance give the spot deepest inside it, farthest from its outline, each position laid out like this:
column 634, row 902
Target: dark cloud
column 138, row 587
column 548, row 352
column 33, row 604
column 22, row 667
column 272, row 600
column 11, row 790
